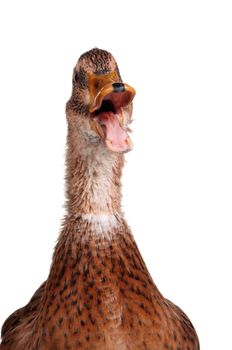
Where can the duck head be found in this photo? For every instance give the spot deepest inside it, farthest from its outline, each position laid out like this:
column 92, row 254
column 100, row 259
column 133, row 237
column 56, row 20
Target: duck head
column 100, row 106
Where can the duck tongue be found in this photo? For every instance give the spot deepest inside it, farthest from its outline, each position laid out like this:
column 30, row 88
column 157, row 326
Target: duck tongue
column 116, row 138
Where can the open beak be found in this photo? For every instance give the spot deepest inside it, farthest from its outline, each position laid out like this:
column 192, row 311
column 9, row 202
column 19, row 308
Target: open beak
column 109, row 99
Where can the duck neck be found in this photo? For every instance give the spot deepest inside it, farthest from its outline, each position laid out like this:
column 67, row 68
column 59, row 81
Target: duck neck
column 93, row 178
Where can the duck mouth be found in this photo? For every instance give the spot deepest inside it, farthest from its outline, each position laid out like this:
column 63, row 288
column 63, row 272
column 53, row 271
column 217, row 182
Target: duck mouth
column 109, row 115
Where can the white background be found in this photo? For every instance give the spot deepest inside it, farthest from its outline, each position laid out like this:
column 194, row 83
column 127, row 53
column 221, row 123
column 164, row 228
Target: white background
column 177, row 183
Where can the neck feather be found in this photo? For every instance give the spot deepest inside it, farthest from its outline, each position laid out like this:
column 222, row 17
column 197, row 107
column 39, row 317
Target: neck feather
column 93, row 178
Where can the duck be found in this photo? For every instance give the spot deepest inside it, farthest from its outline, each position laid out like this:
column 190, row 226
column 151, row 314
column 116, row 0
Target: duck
column 99, row 294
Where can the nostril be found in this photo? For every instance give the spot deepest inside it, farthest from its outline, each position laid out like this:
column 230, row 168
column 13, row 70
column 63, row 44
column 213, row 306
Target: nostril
column 118, row 87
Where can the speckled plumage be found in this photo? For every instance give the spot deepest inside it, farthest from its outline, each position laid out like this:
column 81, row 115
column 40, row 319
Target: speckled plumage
column 99, row 294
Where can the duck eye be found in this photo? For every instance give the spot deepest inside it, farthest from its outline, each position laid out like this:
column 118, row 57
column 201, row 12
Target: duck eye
column 76, row 77
column 80, row 78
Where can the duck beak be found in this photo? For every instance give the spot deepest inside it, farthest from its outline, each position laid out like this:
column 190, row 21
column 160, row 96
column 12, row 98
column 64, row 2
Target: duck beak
column 101, row 86
column 110, row 106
